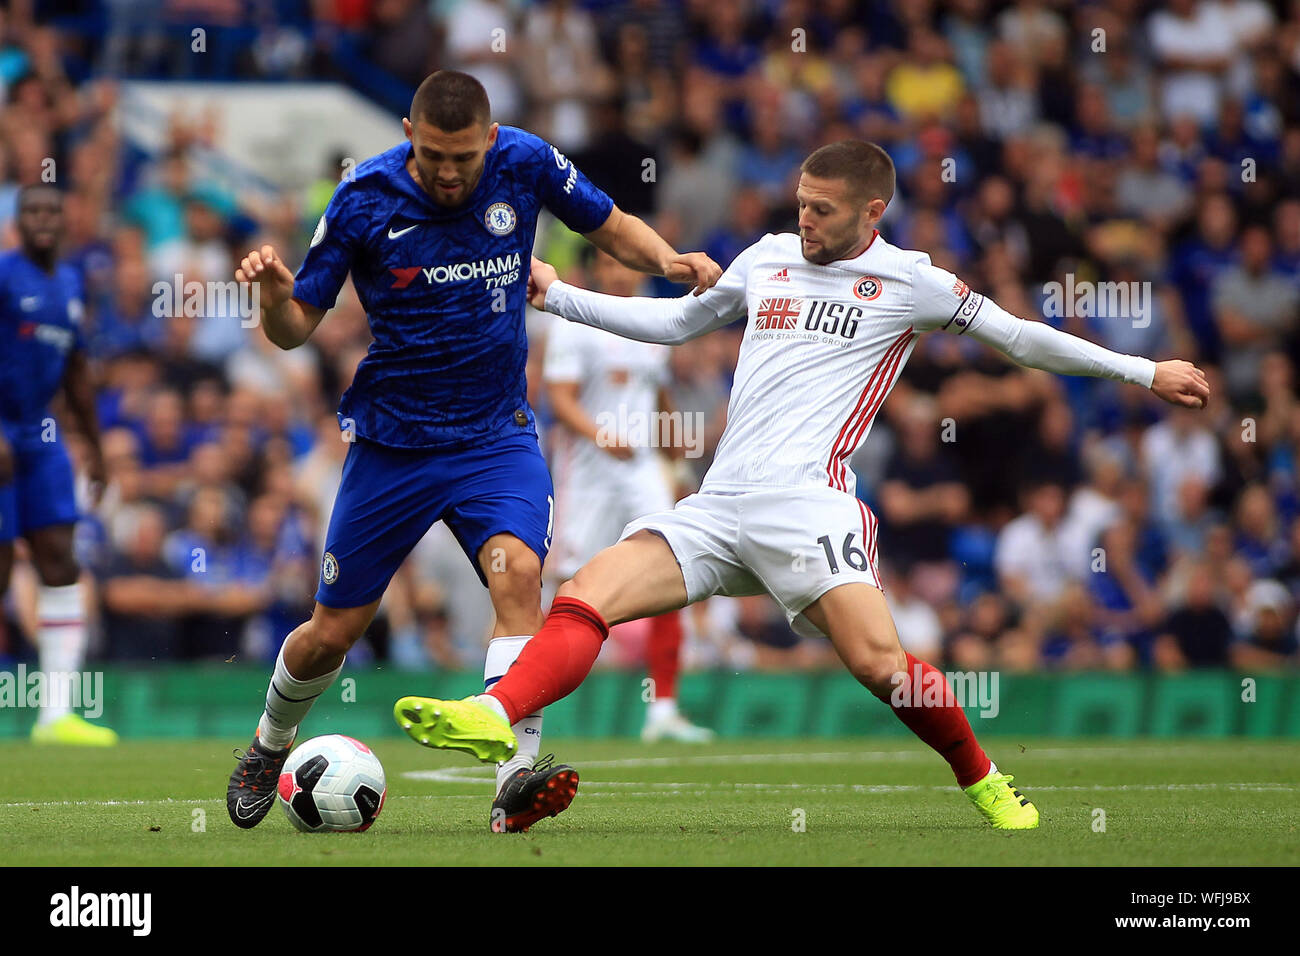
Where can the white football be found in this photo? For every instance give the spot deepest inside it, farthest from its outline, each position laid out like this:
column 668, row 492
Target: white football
column 332, row 784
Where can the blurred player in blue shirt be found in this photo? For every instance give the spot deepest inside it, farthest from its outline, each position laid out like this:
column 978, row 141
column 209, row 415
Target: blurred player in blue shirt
column 41, row 354
column 437, row 235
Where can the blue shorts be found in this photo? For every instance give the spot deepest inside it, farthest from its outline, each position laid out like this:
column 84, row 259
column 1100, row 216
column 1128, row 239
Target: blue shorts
column 390, row 497
column 42, row 491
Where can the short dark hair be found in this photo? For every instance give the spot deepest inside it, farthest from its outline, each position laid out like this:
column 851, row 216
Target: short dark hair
column 864, row 166
column 30, row 188
column 451, row 101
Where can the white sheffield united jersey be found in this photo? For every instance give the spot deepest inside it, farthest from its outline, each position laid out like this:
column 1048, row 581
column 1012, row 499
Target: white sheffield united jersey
column 619, row 381
column 823, row 347
column 597, row 494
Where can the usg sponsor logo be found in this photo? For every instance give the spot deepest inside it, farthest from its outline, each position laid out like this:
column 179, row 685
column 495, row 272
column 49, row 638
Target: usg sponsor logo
column 830, row 318
column 102, row 910
column 778, row 313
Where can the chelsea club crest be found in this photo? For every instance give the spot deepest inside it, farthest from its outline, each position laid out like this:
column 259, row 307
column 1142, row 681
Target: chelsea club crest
column 500, row 219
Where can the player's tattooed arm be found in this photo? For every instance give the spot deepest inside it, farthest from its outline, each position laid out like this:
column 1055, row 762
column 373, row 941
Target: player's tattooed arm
column 632, row 242
column 288, row 322
column 79, row 388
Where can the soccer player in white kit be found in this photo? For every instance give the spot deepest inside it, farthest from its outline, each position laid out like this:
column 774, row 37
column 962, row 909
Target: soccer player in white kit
column 833, row 314
column 607, row 393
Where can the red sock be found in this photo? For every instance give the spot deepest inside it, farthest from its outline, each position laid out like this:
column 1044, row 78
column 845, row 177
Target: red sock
column 555, row 661
column 944, row 727
column 663, row 651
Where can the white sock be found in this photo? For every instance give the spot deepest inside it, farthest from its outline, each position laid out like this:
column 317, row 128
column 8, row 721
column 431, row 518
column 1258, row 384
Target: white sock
column 287, row 702
column 487, row 700
column 62, row 643
column 662, row 708
column 501, row 653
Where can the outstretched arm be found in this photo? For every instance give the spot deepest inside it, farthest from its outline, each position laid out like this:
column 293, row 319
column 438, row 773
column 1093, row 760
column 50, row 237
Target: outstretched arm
column 665, row 321
column 942, row 301
column 632, row 242
column 1038, row 345
column 287, row 321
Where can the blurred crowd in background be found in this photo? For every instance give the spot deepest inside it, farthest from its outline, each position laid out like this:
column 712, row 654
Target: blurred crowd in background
column 1027, row 521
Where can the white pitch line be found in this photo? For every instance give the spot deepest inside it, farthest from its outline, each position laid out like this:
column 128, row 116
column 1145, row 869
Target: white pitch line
column 462, row 774
column 189, row 803
column 615, row 787
column 905, row 788
column 659, row 789
column 482, row 774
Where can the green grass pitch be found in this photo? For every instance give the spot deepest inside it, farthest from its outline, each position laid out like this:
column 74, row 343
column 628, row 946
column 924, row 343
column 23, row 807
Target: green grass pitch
column 736, row 802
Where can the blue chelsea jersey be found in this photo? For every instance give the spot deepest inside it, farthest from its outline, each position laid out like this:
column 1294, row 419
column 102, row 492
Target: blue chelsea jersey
column 444, row 289
column 40, row 326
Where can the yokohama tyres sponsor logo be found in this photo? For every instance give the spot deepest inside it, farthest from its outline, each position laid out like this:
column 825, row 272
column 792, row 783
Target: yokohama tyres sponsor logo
column 457, row 271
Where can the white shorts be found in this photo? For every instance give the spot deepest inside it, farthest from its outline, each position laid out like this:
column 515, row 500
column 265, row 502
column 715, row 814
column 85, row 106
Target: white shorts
column 591, row 512
column 794, row 544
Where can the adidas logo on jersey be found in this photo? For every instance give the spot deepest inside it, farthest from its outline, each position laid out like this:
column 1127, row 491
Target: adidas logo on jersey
column 782, row 276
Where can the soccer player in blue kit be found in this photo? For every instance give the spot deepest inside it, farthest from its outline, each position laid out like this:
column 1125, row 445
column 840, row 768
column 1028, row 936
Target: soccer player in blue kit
column 41, row 354
column 437, row 234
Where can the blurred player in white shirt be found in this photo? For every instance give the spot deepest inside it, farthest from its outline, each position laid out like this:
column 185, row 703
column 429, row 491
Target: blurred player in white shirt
column 831, row 316
column 611, row 462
